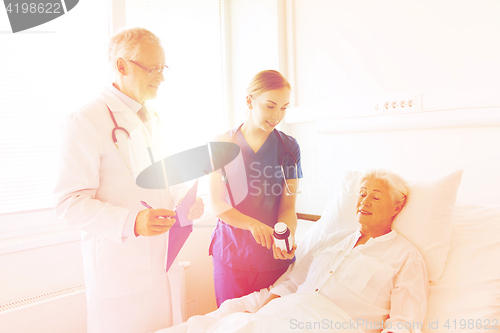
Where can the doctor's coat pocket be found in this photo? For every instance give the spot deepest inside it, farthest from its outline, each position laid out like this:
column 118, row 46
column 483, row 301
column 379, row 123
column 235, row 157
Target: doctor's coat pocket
column 366, row 277
column 123, row 268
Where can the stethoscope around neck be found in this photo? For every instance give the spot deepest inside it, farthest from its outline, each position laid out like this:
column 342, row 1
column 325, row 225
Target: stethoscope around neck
column 284, row 155
column 117, row 128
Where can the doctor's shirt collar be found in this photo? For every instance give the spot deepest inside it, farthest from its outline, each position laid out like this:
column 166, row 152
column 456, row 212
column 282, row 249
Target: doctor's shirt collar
column 128, row 101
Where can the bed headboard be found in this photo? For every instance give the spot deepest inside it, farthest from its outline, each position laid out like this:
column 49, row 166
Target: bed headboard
column 308, row 217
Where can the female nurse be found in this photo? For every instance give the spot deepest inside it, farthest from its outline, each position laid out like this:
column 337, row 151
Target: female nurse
column 244, row 256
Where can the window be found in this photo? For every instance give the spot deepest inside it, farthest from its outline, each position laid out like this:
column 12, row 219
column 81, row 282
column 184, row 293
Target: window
column 190, row 102
column 46, row 73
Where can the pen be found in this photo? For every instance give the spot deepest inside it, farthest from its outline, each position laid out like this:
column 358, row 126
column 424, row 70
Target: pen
column 145, row 204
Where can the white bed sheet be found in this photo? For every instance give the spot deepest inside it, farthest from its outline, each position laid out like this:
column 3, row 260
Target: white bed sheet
column 308, row 312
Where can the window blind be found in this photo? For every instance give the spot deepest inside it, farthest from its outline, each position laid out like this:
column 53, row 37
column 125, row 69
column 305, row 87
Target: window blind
column 45, row 73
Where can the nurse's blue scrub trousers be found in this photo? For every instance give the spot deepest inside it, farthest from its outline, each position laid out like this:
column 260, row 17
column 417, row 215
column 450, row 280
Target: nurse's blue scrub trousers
column 233, row 283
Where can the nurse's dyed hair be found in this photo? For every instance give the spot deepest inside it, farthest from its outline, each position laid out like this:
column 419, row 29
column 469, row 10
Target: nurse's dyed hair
column 265, row 81
column 398, row 185
column 125, row 44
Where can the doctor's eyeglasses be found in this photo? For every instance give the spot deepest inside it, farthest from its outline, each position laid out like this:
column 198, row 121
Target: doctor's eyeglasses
column 152, row 72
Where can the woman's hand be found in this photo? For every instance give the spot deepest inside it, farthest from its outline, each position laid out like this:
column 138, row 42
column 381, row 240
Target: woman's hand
column 196, row 210
column 262, row 233
column 282, row 254
column 269, row 299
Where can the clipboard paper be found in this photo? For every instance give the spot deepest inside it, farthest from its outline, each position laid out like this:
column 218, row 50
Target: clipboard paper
column 182, row 228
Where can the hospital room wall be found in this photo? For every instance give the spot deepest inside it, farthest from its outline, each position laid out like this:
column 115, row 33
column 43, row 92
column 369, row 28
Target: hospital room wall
column 415, row 154
column 364, row 49
column 361, row 47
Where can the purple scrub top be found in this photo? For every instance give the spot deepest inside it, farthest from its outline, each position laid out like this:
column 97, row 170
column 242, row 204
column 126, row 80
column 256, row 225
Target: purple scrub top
column 236, row 247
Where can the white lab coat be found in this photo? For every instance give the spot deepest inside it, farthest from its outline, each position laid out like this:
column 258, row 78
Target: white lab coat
column 127, row 287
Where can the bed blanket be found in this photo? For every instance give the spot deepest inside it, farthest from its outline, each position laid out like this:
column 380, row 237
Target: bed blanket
column 305, row 312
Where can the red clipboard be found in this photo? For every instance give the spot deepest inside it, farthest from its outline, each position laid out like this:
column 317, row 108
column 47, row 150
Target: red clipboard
column 182, row 228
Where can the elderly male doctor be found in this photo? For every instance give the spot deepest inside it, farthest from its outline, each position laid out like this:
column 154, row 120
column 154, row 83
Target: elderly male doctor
column 124, row 245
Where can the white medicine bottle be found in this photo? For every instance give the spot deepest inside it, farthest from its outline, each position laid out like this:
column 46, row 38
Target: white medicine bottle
column 283, row 237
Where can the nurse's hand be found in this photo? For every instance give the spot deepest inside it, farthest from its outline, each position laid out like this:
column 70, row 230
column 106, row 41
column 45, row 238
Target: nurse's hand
column 196, row 210
column 282, row 254
column 262, row 233
column 153, row 222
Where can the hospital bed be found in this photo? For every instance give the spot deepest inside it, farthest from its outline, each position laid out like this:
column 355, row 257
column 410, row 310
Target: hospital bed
column 461, row 246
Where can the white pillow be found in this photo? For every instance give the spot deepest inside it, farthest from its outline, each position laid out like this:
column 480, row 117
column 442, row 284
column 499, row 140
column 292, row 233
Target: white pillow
column 425, row 219
column 469, row 287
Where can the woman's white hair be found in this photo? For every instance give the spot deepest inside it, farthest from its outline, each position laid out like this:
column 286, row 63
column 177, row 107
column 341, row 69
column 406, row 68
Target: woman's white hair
column 398, row 185
column 125, row 44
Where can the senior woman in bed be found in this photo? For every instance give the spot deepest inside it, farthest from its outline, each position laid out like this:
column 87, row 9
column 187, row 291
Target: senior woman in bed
column 374, row 274
column 371, row 279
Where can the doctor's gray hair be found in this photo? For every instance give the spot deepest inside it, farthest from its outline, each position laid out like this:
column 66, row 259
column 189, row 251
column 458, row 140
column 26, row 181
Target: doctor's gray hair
column 125, row 44
column 398, row 186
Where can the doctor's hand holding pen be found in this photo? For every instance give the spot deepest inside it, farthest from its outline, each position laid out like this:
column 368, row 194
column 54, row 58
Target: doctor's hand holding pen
column 153, row 222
